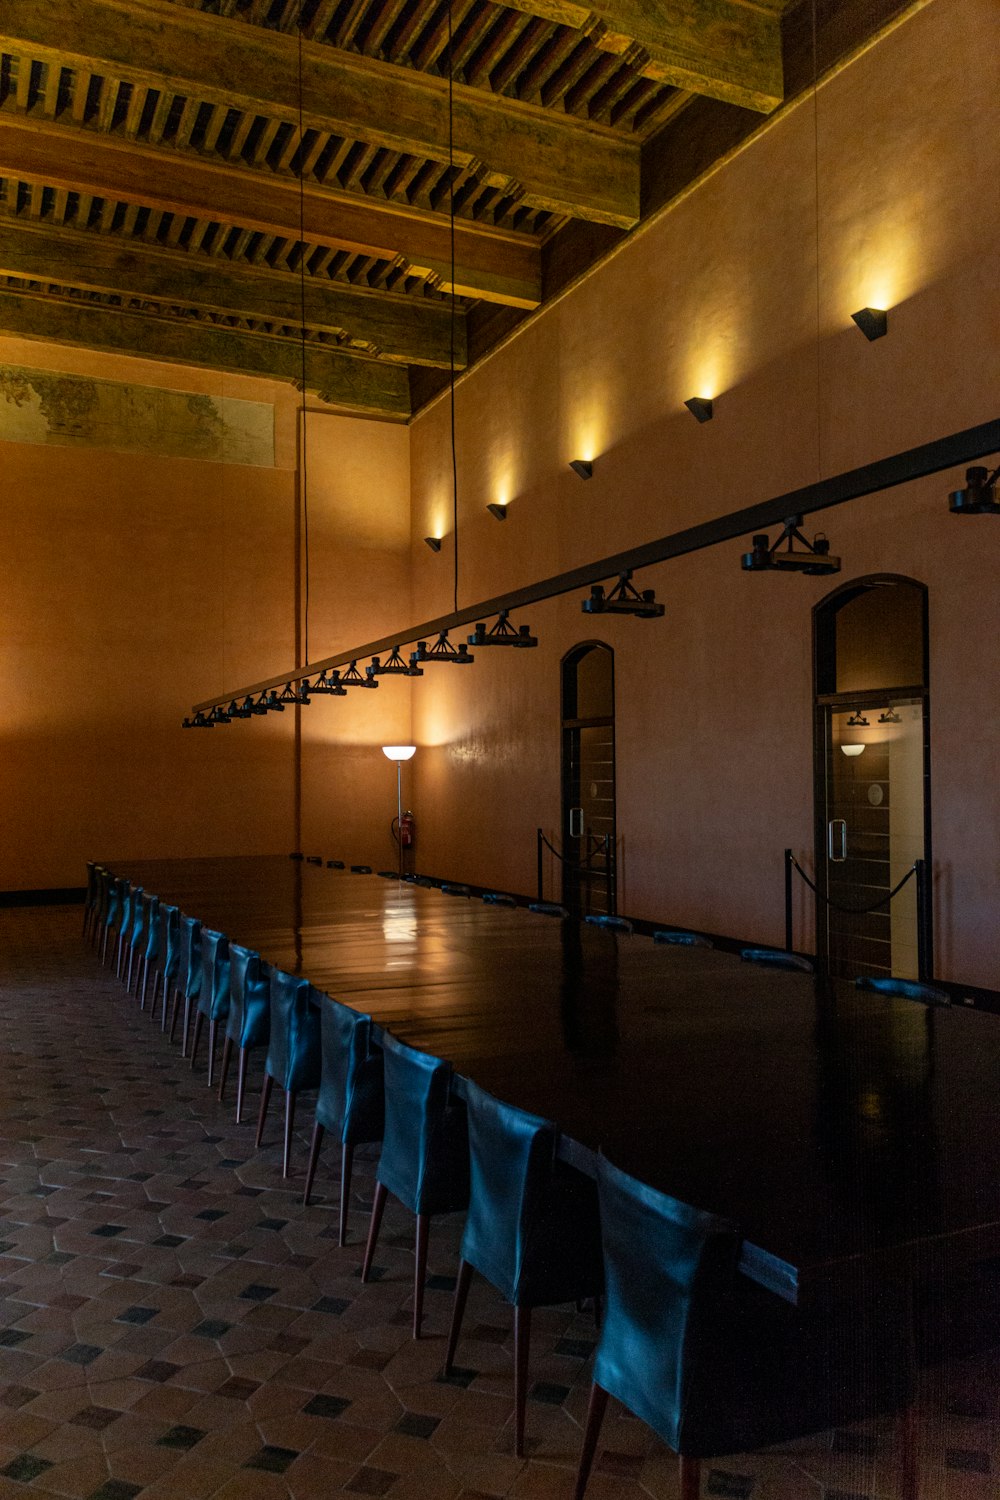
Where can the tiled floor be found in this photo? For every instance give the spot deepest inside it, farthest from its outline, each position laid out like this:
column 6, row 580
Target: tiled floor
column 176, row 1325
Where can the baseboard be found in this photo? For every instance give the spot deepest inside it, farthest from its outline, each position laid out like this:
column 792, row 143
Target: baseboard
column 52, row 895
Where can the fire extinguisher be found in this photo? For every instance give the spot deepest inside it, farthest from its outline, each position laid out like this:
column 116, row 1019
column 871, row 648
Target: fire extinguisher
column 405, row 830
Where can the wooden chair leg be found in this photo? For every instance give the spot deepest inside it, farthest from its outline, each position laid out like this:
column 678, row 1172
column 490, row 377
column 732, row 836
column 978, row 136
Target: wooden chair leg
column 241, row 1083
column 196, row 1037
column 420, row 1271
column 378, row 1208
column 596, row 1408
column 265, row 1096
column 462, row 1285
column 213, row 1037
column 522, row 1340
column 314, row 1145
column 690, row 1476
column 227, row 1052
column 346, row 1166
column 286, row 1156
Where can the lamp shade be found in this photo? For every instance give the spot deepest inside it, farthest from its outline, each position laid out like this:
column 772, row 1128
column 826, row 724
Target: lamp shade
column 399, row 752
column 847, row 749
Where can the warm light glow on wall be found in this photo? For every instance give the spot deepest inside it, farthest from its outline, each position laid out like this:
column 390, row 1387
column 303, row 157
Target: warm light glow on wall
column 882, row 269
column 588, row 434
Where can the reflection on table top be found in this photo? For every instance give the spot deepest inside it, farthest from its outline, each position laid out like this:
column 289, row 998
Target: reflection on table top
column 835, row 1128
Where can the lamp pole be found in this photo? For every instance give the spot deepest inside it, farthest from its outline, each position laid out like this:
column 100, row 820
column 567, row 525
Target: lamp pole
column 399, row 753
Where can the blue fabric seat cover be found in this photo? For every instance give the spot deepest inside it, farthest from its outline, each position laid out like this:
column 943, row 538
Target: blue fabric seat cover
column 425, row 1145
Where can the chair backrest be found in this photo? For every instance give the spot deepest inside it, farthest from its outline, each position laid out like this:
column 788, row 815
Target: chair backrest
column 903, row 989
column 167, row 927
column 249, row 1021
column 533, row 1228
column 293, row 1047
column 499, row 898
column 129, row 895
column 116, row 895
column 154, row 934
column 425, row 1145
column 682, row 939
column 777, row 958
column 613, row 924
column 189, row 957
column 213, row 1000
column 351, row 1099
column 105, row 880
column 456, row 890
column 548, row 909
column 668, row 1269
column 140, row 917
column 90, row 899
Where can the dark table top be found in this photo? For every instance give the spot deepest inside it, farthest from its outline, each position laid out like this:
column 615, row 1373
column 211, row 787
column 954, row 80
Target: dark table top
column 841, row 1131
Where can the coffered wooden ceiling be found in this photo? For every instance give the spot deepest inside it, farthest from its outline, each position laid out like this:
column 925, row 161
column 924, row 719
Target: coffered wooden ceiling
column 196, row 180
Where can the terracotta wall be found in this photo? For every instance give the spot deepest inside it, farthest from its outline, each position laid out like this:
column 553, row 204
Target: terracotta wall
column 135, row 585
column 732, row 295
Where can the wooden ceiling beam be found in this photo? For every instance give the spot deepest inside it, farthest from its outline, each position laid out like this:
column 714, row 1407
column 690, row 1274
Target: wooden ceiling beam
column 725, row 49
column 360, row 387
column 495, row 265
column 399, row 328
column 563, row 165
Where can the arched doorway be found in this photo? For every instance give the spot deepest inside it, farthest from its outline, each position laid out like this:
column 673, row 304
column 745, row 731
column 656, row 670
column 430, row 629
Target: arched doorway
column 872, row 773
column 588, row 777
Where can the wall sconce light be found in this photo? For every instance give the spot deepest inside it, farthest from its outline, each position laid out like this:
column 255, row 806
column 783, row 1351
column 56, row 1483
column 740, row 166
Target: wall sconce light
column 852, row 750
column 353, row 678
column 873, row 322
column 815, row 559
column 858, row 720
column 442, row 650
column 979, row 497
column 497, row 511
column 700, row 408
column 502, row 634
column 583, row 468
column 433, row 542
column 624, row 599
column 394, row 666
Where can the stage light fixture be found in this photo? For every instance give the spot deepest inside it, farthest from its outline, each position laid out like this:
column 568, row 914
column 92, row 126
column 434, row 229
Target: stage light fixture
column 700, row 408
column 442, row 650
column 873, row 322
column 814, row 560
column 433, row 542
column 502, row 634
column 497, row 511
column 583, row 468
column 394, row 666
column 271, row 701
column 294, row 694
column 329, row 682
column 198, row 722
column 624, row 599
column 218, row 715
column 353, row 678
column 858, row 720
column 979, row 498
column 889, row 717
column 239, row 710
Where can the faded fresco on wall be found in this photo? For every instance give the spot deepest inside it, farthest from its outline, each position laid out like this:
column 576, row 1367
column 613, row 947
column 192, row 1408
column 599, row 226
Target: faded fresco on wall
column 42, row 406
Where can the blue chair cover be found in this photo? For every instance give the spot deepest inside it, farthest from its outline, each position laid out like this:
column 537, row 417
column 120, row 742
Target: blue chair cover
column 715, row 1363
column 351, row 1099
column 294, row 1048
column 548, row 909
column 248, row 1023
column 777, row 958
column 213, row 995
column 425, row 1145
column 533, row 1228
column 681, row 939
column 613, row 924
column 904, row 989
column 154, row 931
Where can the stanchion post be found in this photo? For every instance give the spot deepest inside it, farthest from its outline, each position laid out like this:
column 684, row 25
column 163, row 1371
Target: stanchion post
column 788, row 901
column 538, row 862
column 609, row 876
column 925, row 923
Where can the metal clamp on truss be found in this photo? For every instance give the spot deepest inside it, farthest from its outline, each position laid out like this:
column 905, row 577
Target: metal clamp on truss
column 979, row 498
column 353, row 678
column 329, row 682
column 624, row 599
column 502, row 634
column 442, row 650
column 394, row 665
column 812, row 558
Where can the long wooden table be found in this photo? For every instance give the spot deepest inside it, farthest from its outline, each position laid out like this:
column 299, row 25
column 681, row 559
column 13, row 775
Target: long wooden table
column 846, row 1134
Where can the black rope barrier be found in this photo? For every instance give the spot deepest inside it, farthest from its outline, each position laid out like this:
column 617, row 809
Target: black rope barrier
column 854, row 911
column 574, row 864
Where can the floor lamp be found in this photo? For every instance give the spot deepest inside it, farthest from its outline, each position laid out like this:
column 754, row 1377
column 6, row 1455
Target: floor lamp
column 399, row 753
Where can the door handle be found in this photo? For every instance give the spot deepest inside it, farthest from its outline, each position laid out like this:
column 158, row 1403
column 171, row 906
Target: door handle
column 576, row 822
column 832, row 837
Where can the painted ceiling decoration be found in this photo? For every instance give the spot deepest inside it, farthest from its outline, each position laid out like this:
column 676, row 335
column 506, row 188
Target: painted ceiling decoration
column 168, row 174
